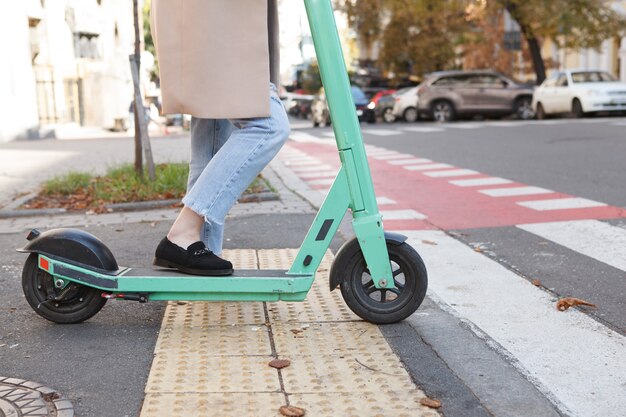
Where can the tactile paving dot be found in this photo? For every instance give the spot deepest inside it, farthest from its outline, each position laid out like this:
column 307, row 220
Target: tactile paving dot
column 215, row 340
column 320, row 304
column 329, row 338
column 209, row 405
column 403, row 403
column 346, row 373
column 242, row 258
column 173, row 371
column 191, row 314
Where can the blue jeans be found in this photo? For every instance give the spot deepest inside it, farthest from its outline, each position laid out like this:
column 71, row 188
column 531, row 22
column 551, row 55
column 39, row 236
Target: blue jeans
column 226, row 156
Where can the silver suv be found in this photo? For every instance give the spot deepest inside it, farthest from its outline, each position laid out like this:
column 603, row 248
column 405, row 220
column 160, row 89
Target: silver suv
column 447, row 95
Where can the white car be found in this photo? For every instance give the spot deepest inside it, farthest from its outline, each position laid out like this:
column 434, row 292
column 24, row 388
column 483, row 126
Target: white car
column 580, row 92
column 406, row 104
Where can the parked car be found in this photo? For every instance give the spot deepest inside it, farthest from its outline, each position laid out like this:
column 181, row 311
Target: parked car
column 580, row 92
column 384, row 108
column 319, row 107
column 295, row 104
column 373, row 110
column 405, row 107
column 446, row 95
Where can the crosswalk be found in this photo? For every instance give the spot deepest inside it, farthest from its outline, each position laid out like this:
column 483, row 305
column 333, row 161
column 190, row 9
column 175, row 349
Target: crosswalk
column 577, row 362
column 396, row 129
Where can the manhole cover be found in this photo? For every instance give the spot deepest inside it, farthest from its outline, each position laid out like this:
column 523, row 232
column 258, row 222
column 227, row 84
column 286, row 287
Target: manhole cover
column 19, row 398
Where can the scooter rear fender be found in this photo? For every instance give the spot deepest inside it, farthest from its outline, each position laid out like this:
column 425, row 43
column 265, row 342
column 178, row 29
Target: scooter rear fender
column 73, row 246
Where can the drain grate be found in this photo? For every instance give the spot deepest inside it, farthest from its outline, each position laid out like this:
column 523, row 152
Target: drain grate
column 31, row 399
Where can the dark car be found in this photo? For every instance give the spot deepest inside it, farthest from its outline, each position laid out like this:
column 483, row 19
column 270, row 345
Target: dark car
column 319, row 106
column 373, row 110
column 446, row 95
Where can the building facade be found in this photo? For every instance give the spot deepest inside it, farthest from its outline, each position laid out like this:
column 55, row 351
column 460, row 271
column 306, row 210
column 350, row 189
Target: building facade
column 67, row 64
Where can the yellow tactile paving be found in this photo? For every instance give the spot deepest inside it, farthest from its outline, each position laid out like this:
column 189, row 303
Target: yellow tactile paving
column 211, row 359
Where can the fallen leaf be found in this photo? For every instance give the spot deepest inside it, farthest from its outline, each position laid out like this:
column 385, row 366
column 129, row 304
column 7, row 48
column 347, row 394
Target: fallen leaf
column 567, row 302
column 51, row 396
column 536, row 283
column 429, row 402
column 296, row 331
column 291, row 411
column 429, row 242
column 478, row 250
column 280, row 363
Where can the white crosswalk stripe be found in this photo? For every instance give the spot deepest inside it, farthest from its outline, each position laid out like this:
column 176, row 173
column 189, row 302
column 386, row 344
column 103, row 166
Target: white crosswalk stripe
column 319, row 167
column 451, row 173
column 409, row 161
column 402, row 215
column 475, row 182
column 514, row 191
column 567, row 355
column 426, row 167
column 381, row 132
column 593, row 238
column 561, row 204
column 384, row 201
column 389, row 156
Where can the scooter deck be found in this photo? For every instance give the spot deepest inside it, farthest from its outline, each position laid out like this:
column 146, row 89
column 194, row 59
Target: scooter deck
column 169, row 284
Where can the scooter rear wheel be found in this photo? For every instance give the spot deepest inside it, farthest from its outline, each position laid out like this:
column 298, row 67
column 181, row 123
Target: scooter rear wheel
column 381, row 306
column 73, row 304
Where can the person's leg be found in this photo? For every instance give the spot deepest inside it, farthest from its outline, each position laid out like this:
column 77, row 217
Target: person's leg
column 207, row 138
column 251, row 146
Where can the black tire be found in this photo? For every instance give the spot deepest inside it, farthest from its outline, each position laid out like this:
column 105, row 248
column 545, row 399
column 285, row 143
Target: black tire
column 523, row 109
column 540, row 114
column 410, row 115
column 443, row 111
column 388, row 116
column 577, row 109
column 374, row 305
column 316, row 123
column 79, row 304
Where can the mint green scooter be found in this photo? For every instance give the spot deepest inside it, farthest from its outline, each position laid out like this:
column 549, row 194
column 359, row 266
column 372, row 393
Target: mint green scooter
column 70, row 274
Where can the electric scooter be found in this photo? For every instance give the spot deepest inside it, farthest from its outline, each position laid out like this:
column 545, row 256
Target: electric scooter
column 70, row 274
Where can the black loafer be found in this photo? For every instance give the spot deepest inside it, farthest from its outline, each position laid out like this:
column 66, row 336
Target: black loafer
column 197, row 259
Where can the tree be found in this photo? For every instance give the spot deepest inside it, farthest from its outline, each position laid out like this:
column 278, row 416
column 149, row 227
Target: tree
column 568, row 23
column 416, row 36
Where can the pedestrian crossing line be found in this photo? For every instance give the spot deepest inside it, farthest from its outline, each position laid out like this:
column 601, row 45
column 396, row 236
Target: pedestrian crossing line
column 384, row 201
column 475, row 182
column 306, row 137
column 561, row 204
column 319, row 167
column 309, row 161
column 381, row 132
column 318, row 174
column 451, row 173
column 391, row 156
column 402, row 215
column 598, row 240
column 573, row 359
column 464, row 125
column 426, row 167
column 321, row 181
column 409, row 161
column 425, row 129
column 515, row 191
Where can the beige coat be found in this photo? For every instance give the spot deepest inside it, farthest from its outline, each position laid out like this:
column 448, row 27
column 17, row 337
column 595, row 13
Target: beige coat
column 216, row 56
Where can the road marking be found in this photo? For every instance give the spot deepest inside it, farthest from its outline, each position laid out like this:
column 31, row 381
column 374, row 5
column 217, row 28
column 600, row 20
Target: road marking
column 386, row 157
column 596, row 239
column 322, row 181
column 384, row 200
column 318, row 174
column 513, row 191
column 426, row 167
column 402, row 215
column 381, row 132
column 451, row 173
column 318, row 167
column 302, row 162
column 474, row 182
column 464, row 125
column 409, row 161
column 561, row 204
column 568, row 353
column 306, row 137
column 423, row 129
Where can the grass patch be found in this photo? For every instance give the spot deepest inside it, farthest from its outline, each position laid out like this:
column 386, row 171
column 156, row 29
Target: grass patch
column 80, row 191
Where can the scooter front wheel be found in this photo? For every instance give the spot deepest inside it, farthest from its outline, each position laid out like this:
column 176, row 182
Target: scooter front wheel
column 381, row 305
column 72, row 304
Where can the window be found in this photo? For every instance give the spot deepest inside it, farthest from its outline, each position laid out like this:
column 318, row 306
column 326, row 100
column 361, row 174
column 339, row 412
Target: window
column 562, row 80
column 86, row 45
column 592, row 77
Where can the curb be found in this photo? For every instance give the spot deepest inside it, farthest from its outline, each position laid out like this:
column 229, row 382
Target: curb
column 133, row 206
